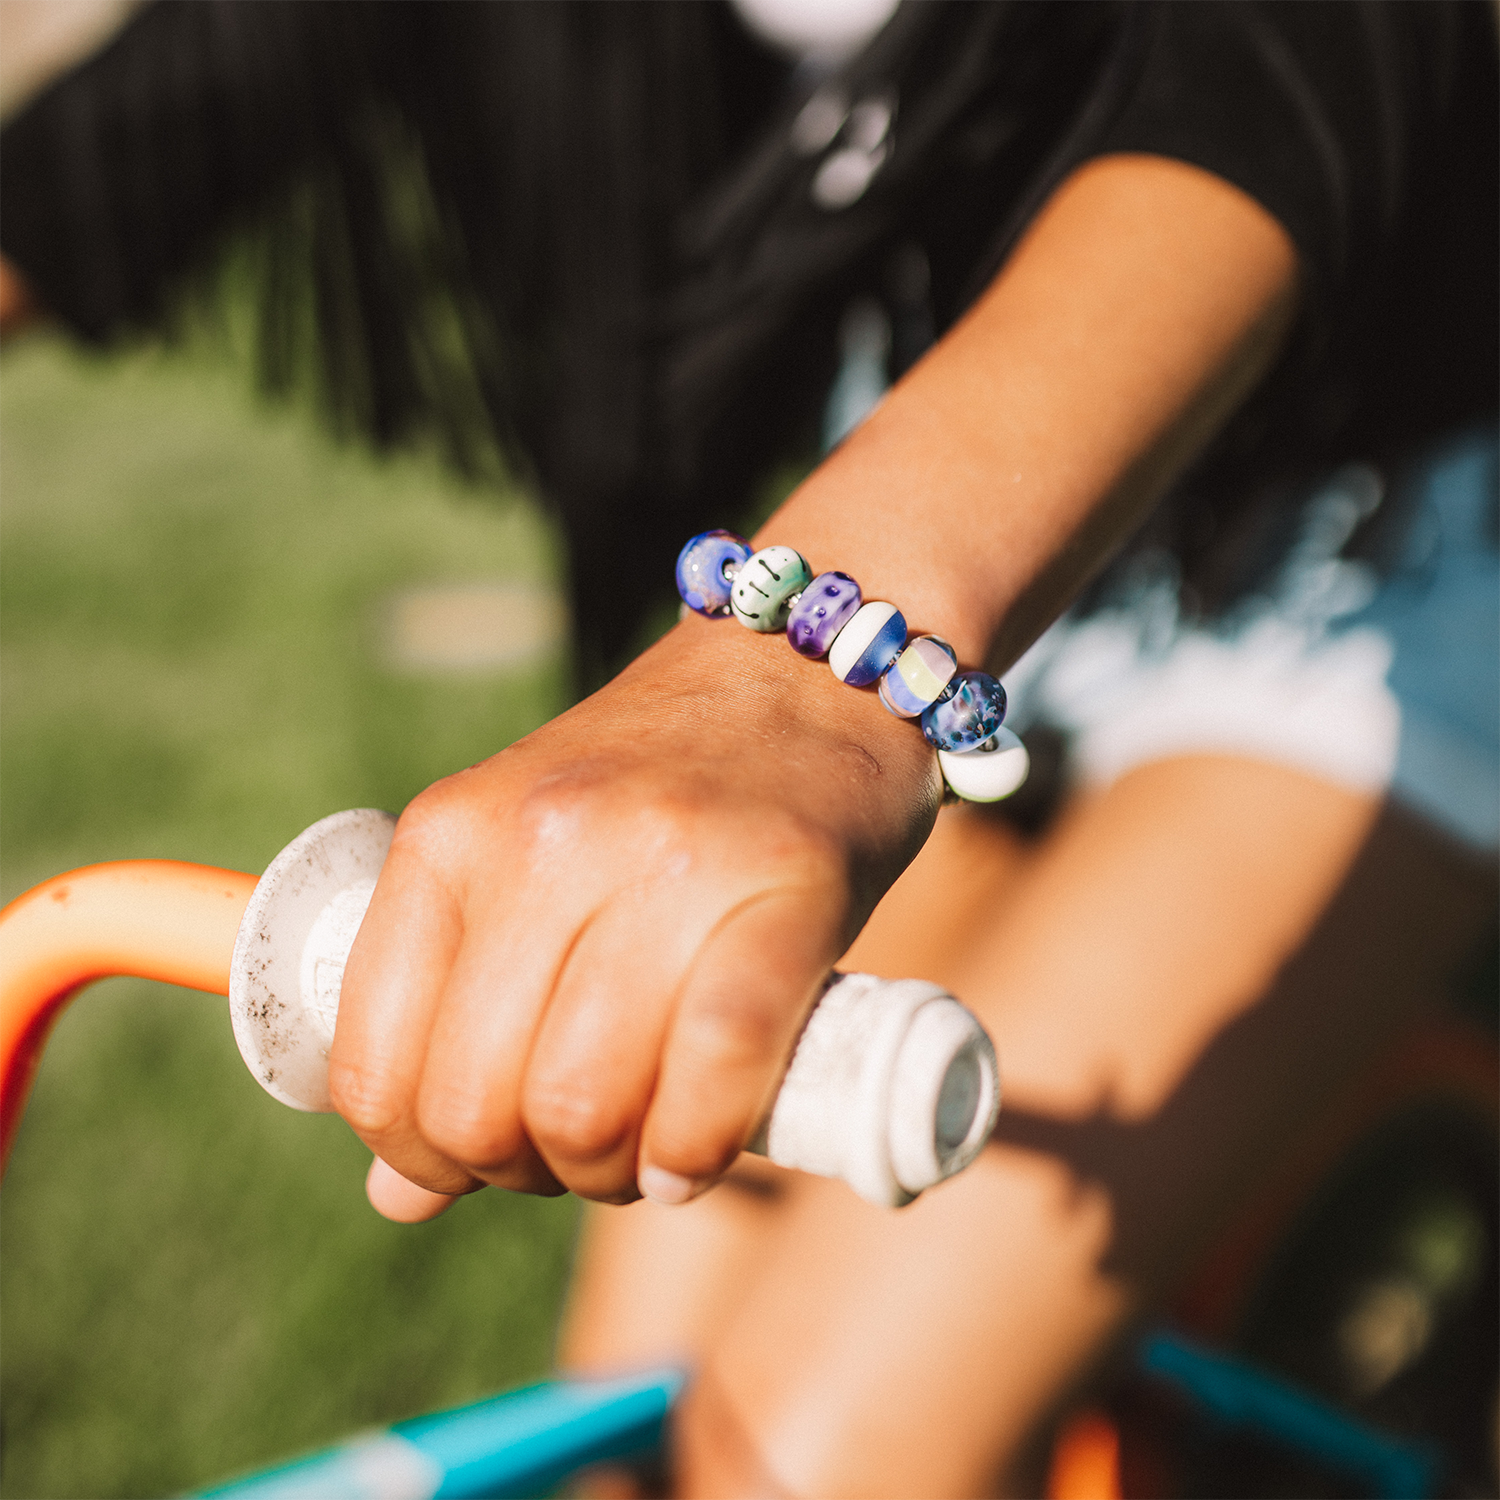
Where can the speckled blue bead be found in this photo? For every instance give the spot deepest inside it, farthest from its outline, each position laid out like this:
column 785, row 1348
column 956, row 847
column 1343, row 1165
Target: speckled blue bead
column 968, row 715
column 826, row 605
column 707, row 568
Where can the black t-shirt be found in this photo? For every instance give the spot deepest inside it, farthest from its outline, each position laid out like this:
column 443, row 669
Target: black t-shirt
column 615, row 203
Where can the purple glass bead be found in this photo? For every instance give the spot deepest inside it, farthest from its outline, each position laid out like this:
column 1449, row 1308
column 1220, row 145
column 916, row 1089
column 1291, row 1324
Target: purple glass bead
column 706, row 570
column 967, row 715
column 826, row 605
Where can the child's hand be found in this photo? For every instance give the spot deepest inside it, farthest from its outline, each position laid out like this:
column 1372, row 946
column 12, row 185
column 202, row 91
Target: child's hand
column 588, row 957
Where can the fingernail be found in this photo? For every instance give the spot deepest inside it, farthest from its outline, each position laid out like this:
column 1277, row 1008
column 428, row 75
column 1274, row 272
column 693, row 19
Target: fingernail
column 661, row 1186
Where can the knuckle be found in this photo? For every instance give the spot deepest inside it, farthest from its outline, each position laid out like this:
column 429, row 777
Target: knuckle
column 429, row 810
column 551, row 810
column 666, row 827
column 465, row 1128
column 436, row 819
column 579, row 807
column 573, row 1122
column 367, row 1099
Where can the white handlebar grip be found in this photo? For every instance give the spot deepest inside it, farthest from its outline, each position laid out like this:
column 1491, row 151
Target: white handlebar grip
column 293, row 942
column 893, row 1085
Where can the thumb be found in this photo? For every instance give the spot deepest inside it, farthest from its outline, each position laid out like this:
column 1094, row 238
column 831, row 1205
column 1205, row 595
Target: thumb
column 399, row 1200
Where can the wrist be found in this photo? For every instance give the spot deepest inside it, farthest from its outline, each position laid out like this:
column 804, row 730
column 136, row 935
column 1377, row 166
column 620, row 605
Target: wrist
column 756, row 684
column 932, row 590
column 775, row 591
column 731, row 690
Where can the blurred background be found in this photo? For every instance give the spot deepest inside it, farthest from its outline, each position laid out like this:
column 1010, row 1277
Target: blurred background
column 218, row 625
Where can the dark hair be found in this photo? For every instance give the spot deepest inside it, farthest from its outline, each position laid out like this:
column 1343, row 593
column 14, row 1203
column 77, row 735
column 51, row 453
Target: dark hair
column 579, row 230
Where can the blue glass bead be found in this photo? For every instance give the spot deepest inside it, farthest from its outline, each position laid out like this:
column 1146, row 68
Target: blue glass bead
column 707, row 568
column 967, row 715
column 822, row 611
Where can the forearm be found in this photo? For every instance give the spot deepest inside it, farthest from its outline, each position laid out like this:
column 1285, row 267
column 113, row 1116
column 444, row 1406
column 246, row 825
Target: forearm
column 1139, row 309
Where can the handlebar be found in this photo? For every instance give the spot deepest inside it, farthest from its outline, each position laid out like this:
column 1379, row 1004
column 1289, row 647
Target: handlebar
column 153, row 918
column 893, row 1086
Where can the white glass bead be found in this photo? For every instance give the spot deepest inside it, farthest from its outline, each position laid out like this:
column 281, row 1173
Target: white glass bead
column 993, row 770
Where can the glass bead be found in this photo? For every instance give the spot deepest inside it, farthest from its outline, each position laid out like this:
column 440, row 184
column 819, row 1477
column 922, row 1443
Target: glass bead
column 826, row 605
column 766, row 587
column 707, row 568
column 868, row 644
column 918, row 677
column 967, row 715
column 989, row 771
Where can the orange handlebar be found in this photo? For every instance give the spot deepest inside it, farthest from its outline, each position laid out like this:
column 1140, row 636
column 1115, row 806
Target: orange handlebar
column 154, row 918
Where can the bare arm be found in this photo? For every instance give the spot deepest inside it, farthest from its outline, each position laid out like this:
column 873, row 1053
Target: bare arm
column 588, row 957
column 1139, row 310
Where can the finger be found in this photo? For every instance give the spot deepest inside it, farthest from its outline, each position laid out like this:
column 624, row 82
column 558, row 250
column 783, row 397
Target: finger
column 469, row 1097
column 751, row 988
column 392, row 986
column 594, row 1061
column 401, row 1200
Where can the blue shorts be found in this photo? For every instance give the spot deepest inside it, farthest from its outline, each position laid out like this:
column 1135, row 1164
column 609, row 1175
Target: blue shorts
column 1381, row 682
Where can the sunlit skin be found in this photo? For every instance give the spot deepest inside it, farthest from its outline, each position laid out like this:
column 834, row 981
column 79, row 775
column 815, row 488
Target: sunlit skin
column 1174, row 1006
column 587, row 958
column 16, row 306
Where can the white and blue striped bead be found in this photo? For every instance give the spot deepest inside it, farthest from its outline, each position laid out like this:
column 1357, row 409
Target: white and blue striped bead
column 868, row 644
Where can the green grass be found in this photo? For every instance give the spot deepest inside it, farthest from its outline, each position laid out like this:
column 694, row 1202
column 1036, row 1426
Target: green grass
column 189, row 583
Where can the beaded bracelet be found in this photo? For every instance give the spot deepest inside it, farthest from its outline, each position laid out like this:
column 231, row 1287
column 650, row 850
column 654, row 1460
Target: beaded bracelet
column 961, row 713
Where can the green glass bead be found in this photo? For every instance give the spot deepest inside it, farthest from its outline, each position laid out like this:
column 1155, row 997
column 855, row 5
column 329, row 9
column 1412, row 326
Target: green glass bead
column 767, row 586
